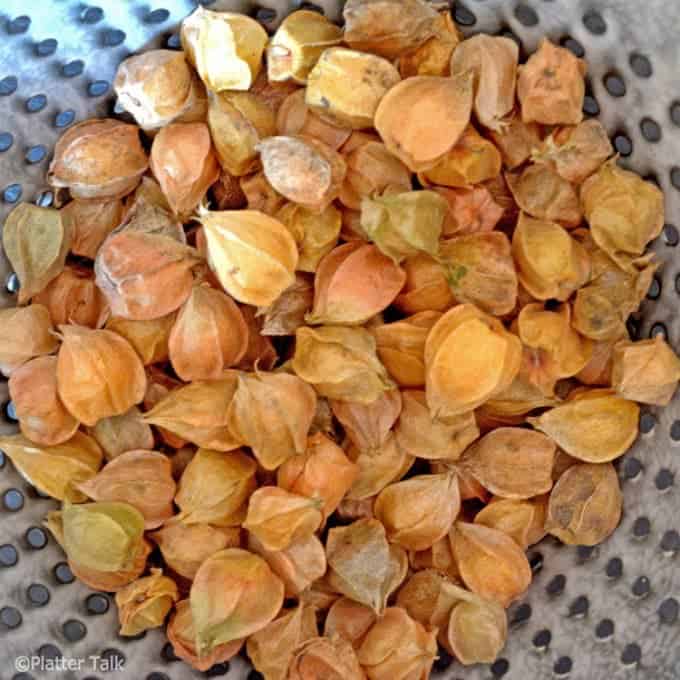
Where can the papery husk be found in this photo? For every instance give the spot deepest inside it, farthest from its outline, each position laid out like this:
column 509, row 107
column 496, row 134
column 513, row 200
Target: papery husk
column 595, row 428
column 186, row 546
column 42, row 416
column 349, row 620
column 471, row 161
column 198, row 413
column 323, row 658
column 551, row 86
column 185, row 165
column 260, row 195
column 351, row 226
column 226, row 48
column 501, row 194
column 426, row 287
column 316, row 234
column 234, row 595
column 541, row 368
column 208, row 336
column 575, row 152
column 413, row 110
column 349, row 549
column 179, row 460
column 340, row 363
column 182, row 636
column 404, row 224
column 55, row 470
column 272, row 414
column 453, row 382
column 142, row 479
column 598, row 370
column 491, row 564
column 517, row 141
column 398, row 647
column 353, row 283
column 519, row 398
column 418, row 512
column 422, row 436
column 299, row 566
column 352, row 510
column 439, row 557
column 522, row 520
column 471, row 210
column 493, row 60
column 585, row 504
column 277, row 517
column 144, row 604
column 480, row 270
column 401, row 347
column 297, row 45
column 287, row 313
column 215, row 486
column 542, row 193
column 624, row 212
column 144, row 276
column 303, row 169
column 550, row 263
column 227, row 193
column 25, row 333
column 253, row 255
column 260, row 352
column 98, row 158
column 320, row 595
column 646, row 371
column 273, row 93
column 347, row 86
column 322, row 472
column 149, row 338
column 159, row 385
column 433, row 57
column 238, row 122
column 98, row 374
column 35, row 241
column 90, row 223
column 294, row 117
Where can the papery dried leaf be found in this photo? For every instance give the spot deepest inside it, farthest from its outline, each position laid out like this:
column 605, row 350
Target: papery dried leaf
column 25, row 332
column 433, row 57
column 426, row 287
column 287, row 313
column 522, row 520
column 347, row 86
column 585, row 504
column 98, row 158
column 149, row 338
column 260, row 195
column 90, row 222
column 470, row 211
column 327, row 658
column 353, row 283
column 215, row 486
column 42, row 416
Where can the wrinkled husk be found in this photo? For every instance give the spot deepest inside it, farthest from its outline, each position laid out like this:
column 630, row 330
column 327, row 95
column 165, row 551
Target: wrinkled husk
column 433, row 57
column 323, row 658
column 516, row 140
column 260, row 195
column 287, row 313
column 349, row 620
column 90, row 223
column 25, row 333
column 227, row 193
column 260, row 352
column 426, row 287
column 522, row 520
column 149, row 338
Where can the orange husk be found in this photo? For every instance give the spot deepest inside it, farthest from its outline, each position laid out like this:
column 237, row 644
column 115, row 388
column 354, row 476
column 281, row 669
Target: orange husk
column 227, row 193
column 470, row 211
column 516, row 140
column 260, row 195
column 439, row 557
column 260, row 353
column 426, row 287
column 90, row 223
column 149, row 338
column 349, row 620
column 522, row 520
column 428, row 597
column 325, row 658
column 287, row 313
column 433, row 57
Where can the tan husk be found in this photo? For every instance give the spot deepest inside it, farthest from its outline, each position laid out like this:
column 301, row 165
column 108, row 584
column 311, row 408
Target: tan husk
column 149, row 338
column 260, row 195
column 287, row 313
column 349, row 620
column 90, row 222
column 522, row 520
column 426, row 288
column 433, row 57
column 260, row 352
column 328, row 658
column 516, row 140
column 25, row 332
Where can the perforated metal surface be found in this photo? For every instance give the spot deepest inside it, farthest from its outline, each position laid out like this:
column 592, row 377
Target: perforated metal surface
column 609, row 613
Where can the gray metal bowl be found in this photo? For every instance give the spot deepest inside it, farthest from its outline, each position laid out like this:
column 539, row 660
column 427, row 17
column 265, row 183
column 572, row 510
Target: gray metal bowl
column 607, row 613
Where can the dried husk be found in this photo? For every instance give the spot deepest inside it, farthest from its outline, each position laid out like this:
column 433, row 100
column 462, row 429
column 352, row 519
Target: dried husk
column 227, row 193
column 144, row 276
column 272, row 414
column 185, row 165
column 98, row 158
column 36, row 241
column 512, row 462
column 90, row 222
column 349, row 549
column 522, row 395
column 260, row 353
column 585, row 504
column 422, row 118
column 493, row 60
column 55, row 470
column 303, row 169
column 340, row 363
column 398, row 647
column 595, row 428
column 540, row 192
column 426, row 287
column 551, row 86
column 351, row 510
column 439, row 557
column 42, row 416
column 316, row 234
column 287, row 313
column 297, row 45
column 353, row 283
column 253, row 255
column 550, row 263
column 480, row 270
column 226, row 48
column 144, row 604
column 522, row 520
column 260, row 195
column 347, row 86
column 238, row 122
column 470, row 211
column 234, row 595
column 404, row 224
column 25, row 333
column 349, row 620
column 149, row 338
column 323, row 658
column 273, row 93
column 491, row 564
column 181, row 634
column 516, row 140
column 598, row 370
column 215, row 487
column 433, row 57
column 142, row 479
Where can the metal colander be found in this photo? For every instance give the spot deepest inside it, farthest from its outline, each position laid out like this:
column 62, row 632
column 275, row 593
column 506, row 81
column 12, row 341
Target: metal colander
column 612, row 612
